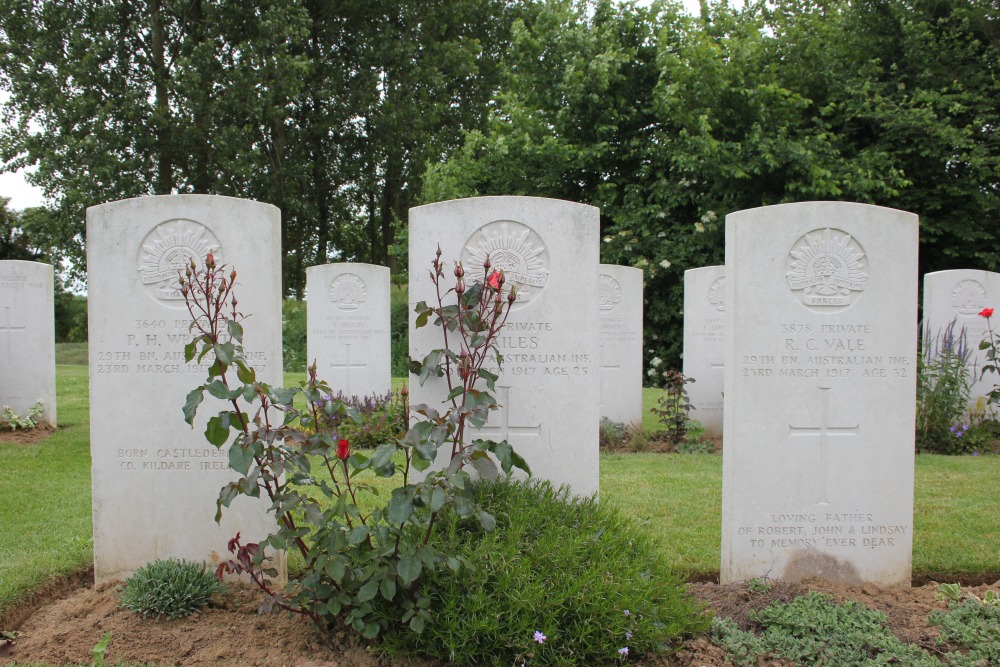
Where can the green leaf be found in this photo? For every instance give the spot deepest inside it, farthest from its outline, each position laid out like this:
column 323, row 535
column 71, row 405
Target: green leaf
column 438, row 498
column 486, row 520
column 240, row 458
column 368, row 591
column 190, row 350
column 219, row 390
column 423, row 313
column 217, row 430
column 191, row 403
column 388, row 588
column 417, row 623
column 383, row 454
column 224, row 352
column 370, row 631
column 484, row 465
column 400, row 507
column 246, row 374
column 409, row 568
column 357, row 535
column 235, row 329
column 333, row 607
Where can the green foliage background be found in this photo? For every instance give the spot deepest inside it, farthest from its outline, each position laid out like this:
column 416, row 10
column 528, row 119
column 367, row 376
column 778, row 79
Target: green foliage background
column 344, row 115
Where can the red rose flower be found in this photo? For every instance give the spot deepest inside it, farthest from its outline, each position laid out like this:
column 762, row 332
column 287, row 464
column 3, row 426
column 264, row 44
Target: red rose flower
column 986, row 312
column 343, row 449
column 494, row 280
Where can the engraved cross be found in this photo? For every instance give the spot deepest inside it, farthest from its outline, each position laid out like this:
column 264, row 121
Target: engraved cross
column 8, row 329
column 824, row 431
column 506, row 428
column 605, row 371
column 347, row 366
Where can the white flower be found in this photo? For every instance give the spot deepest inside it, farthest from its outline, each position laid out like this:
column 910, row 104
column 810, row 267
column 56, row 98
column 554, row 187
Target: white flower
column 665, row 264
column 699, row 227
column 651, row 372
column 607, row 239
column 656, row 361
column 661, row 235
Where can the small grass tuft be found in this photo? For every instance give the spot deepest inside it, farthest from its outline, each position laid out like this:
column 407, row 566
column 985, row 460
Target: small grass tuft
column 171, row 588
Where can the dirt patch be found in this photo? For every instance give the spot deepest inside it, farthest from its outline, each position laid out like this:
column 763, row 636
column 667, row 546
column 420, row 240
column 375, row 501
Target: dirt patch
column 64, row 622
column 26, row 437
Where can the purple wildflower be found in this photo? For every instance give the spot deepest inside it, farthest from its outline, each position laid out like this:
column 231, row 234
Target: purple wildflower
column 539, row 637
column 623, row 651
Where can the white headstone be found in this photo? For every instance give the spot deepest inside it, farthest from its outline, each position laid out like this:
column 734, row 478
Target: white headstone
column 821, row 338
column 549, row 386
column 619, row 303
column 961, row 295
column 27, row 339
column 155, row 479
column 348, row 327
column 704, row 343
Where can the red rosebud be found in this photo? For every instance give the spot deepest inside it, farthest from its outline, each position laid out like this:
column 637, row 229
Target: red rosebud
column 986, row 312
column 210, row 260
column 343, row 449
column 494, row 280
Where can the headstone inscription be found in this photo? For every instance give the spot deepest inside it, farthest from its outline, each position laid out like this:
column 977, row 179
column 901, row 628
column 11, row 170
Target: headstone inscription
column 348, row 327
column 960, row 295
column 619, row 304
column 820, row 393
column 27, row 339
column 155, row 479
column 548, row 389
column 704, row 343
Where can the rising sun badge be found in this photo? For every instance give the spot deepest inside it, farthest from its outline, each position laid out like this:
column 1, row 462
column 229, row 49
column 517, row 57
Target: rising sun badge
column 166, row 250
column 826, row 269
column 514, row 248
column 348, row 291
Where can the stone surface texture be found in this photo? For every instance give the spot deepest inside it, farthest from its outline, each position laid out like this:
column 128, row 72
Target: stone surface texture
column 704, row 343
column 155, row 479
column 348, row 327
column 821, row 341
column 27, row 338
column 549, row 383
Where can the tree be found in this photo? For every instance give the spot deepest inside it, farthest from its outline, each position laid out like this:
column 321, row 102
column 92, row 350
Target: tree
column 326, row 110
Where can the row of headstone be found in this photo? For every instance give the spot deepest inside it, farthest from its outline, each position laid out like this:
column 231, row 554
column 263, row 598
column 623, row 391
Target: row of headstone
column 27, row 339
column 817, row 469
column 952, row 301
column 155, row 481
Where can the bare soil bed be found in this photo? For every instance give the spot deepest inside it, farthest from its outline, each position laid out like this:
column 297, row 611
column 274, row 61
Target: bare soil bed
column 62, row 625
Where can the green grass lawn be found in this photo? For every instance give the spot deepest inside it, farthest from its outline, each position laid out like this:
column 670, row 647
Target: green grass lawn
column 46, row 523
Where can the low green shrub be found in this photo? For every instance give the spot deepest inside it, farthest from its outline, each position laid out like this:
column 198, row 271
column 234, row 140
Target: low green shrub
column 972, row 625
column 10, row 420
column 813, row 630
column 560, row 581
column 171, row 588
column 381, row 419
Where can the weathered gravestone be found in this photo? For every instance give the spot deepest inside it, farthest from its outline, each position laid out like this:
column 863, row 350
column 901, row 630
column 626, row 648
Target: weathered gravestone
column 27, row 339
column 961, row 295
column 619, row 304
column 704, row 343
column 820, row 393
column 348, row 327
column 549, row 383
column 155, row 479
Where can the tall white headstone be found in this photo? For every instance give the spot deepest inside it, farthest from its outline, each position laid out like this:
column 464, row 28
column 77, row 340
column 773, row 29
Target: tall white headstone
column 155, row 479
column 619, row 303
column 549, row 385
column 27, row 339
column 821, row 337
column 960, row 295
column 348, row 327
column 704, row 343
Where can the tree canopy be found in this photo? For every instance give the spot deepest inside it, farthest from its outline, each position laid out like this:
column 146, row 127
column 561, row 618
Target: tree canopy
column 346, row 114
